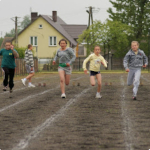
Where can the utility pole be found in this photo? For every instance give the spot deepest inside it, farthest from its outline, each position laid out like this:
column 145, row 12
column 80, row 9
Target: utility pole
column 90, row 12
column 16, row 29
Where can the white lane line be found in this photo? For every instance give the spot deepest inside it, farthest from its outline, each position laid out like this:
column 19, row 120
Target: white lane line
column 24, row 142
column 145, row 79
column 77, row 78
column 29, row 97
column 22, row 88
column 128, row 132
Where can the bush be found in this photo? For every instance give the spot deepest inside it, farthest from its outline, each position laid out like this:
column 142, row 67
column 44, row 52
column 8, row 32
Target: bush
column 21, row 51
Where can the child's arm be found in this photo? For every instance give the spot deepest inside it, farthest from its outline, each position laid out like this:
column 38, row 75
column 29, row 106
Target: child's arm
column 84, row 64
column 104, row 62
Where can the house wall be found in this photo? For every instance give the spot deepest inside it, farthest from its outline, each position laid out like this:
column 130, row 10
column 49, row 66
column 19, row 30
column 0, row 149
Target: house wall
column 43, row 48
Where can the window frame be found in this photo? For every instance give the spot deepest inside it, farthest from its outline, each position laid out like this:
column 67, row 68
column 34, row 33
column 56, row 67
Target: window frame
column 40, row 27
column 52, row 41
column 34, row 40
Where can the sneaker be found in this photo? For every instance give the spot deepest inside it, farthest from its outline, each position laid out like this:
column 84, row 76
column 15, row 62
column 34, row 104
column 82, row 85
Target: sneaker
column 134, row 98
column 63, row 96
column 23, row 82
column 10, row 94
column 5, row 88
column 98, row 95
column 31, row 85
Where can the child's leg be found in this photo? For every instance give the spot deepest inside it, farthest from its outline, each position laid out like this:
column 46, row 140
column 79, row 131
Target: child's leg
column 62, row 80
column 67, row 79
column 92, row 80
column 99, row 81
column 136, row 82
column 130, row 77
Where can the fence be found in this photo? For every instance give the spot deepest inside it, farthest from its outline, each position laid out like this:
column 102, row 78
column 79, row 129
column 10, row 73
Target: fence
column 45, row 64
column 20, row 67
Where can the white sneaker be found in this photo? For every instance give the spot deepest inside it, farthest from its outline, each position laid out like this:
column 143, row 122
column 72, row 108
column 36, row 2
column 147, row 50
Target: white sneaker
column 23, row 82
column 98, row 95
column 63, row 95
column 31, row 85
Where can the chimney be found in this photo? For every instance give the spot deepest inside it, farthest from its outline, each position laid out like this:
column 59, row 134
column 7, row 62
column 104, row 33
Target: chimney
column 34, row 15
column 54, row 16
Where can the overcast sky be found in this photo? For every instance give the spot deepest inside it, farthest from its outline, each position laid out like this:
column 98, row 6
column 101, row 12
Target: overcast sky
column 71, row 11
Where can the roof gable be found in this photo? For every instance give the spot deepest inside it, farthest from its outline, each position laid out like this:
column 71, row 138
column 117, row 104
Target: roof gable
column 70, row 32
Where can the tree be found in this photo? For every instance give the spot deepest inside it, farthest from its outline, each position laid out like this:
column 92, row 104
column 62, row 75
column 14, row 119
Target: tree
column 26, row 21
column 11, row 33
column 111, row 35
column 1, row 41
column 135, row 13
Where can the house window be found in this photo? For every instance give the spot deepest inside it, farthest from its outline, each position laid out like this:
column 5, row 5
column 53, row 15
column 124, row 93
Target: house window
column 52, row 41
column 33, row 40
column 40, row 26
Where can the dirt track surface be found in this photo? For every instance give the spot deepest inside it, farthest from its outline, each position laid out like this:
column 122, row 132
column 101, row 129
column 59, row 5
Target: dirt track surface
column 38, row 119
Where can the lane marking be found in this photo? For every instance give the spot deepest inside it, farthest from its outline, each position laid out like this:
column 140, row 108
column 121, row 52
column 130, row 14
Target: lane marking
column 145, row 79
column 128, row 133
column 25, row 142
column 6, row 92
column 29, row 97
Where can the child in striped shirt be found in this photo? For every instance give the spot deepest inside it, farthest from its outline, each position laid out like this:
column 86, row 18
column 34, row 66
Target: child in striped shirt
column 29, row 66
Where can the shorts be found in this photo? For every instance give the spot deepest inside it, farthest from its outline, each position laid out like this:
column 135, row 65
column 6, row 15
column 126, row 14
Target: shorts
column 28, row 69
column 68, row 70
column 93, row 73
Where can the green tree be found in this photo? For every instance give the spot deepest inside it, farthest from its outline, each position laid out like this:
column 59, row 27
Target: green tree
column 135, row 13
column 11, row 33
column 1, row 41
column 111, row 35
column 26, row 21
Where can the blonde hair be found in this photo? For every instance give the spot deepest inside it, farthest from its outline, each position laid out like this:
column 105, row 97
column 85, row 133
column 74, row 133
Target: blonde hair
column 135, row 42
column 97, row 46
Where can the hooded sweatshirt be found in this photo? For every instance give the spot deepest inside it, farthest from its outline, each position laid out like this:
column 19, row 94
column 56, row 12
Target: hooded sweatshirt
column 135, row 61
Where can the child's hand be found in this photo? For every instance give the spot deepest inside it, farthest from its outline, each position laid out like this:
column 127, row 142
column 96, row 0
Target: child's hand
column 85, row 71
column 54, row 62
column 67, row 64
column 144, row 66
column 127, row 70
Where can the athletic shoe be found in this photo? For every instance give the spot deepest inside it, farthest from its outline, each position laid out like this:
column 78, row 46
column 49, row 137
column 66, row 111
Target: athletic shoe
column 31, row 85
column 63, row 96
column 98, row 95
column 10, row 95
column 10, row 90
column 134, row 98
column 5, row 88
column 23, row 82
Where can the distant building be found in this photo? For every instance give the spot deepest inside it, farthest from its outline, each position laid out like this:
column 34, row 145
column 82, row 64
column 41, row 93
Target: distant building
column 44, row 33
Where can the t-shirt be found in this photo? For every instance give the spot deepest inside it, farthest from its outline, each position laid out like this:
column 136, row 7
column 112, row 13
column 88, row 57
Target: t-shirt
column 8, row 60
column 95, row 62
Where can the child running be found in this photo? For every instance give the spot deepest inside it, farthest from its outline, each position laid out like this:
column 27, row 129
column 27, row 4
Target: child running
column 134, row 60
column 95, row 62
column 29, row 66
column 66, row 57
column 8, row 65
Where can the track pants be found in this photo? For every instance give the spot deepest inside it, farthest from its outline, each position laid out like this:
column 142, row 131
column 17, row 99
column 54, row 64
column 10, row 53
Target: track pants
column 134, row 78
column 8, row 73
